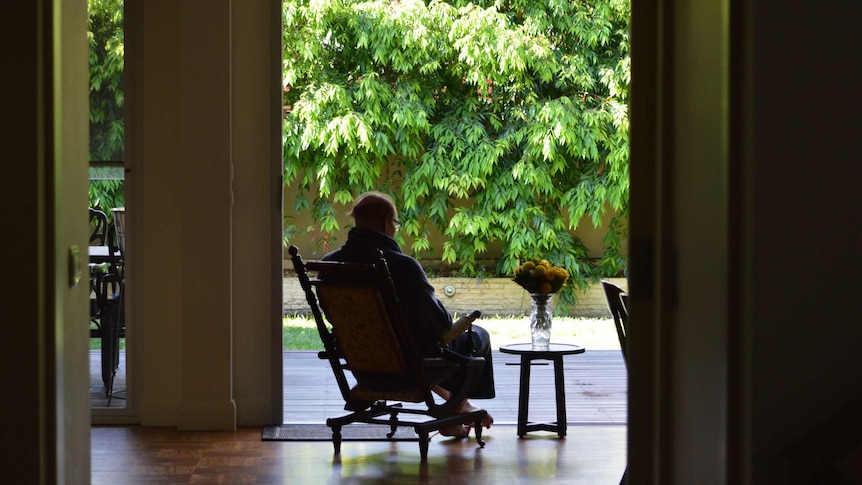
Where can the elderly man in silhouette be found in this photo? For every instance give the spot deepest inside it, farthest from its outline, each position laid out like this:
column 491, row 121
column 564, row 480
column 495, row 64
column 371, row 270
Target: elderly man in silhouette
column 376, row 221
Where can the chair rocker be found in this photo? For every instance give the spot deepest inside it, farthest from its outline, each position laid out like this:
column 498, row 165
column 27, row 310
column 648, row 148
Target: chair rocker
column 372, row 355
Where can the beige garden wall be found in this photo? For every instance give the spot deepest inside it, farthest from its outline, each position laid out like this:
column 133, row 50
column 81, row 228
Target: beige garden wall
column 492, row 296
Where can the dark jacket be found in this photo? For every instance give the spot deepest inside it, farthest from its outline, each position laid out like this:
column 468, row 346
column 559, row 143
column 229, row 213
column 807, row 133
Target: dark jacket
column 424, row 314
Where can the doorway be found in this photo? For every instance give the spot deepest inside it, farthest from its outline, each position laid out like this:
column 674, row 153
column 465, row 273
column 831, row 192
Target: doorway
column 107, row 200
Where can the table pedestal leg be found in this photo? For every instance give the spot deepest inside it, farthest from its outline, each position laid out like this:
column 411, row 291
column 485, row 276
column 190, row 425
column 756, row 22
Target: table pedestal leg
column 524, row 396
column 560, row 386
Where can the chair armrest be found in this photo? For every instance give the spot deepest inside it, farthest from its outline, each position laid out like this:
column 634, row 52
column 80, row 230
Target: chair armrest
column 449, row 358
column 460, row 326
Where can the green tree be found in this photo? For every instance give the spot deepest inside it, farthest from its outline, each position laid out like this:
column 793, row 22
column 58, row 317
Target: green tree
column 105, row 35
column 490, row 121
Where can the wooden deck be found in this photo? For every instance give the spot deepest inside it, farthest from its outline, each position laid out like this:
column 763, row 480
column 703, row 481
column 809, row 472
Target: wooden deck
column 98, row 399
column 596, row 388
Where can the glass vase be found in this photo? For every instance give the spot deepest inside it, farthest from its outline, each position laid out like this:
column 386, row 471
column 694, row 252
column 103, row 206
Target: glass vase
column 540, row 320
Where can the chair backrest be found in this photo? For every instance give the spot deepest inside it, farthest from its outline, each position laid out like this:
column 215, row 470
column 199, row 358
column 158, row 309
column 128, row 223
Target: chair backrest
column 355, row 313
column 368, row 335
column 119, row 214
column 98, row 228
column 617, row 304
column 117, row 240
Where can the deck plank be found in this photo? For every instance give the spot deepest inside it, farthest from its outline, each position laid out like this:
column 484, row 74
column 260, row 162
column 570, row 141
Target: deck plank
column 596, row 388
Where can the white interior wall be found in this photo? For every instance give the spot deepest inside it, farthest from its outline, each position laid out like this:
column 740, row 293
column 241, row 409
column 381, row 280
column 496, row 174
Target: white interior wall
column 204, row 175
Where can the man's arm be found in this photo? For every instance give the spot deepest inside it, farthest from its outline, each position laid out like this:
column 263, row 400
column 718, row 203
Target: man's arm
column 423, row 311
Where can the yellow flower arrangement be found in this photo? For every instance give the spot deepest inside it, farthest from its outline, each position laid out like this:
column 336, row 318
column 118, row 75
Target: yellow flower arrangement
column 540, row 276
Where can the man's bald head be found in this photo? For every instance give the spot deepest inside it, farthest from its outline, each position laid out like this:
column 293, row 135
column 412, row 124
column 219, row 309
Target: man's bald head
column 376, row 211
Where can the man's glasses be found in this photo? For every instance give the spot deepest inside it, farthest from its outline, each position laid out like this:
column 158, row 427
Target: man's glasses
column 397, row 224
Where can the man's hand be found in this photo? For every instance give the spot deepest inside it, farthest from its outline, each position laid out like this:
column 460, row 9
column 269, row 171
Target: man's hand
column 461, row 325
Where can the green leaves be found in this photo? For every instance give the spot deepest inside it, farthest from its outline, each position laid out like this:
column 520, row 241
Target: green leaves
column 500, row 124
column 106, row 111
column 106, row 57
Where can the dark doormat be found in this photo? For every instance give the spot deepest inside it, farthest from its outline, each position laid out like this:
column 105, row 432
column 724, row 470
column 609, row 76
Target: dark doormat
column 322, row 432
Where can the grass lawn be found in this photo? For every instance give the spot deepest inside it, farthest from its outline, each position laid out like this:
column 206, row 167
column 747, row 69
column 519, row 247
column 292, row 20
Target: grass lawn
column 96, row 344
column 594, row 334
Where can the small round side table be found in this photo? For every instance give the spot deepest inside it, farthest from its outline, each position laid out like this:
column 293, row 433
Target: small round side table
column 555, row 353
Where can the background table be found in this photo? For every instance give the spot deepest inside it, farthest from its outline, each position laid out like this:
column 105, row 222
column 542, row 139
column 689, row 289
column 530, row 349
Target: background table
column 102, row 254
column 554, row 353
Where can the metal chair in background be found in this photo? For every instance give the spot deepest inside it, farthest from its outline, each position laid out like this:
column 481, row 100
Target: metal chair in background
column 107, row 291
column 618, row 301
column 98, row 227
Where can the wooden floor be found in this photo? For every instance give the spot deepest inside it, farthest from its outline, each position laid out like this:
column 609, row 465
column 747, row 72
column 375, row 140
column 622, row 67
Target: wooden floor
column 592, row 453
column 98, row 396
column 132, row 455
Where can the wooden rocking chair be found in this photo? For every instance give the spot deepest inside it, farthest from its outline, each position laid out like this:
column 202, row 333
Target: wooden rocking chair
column 367, row 342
